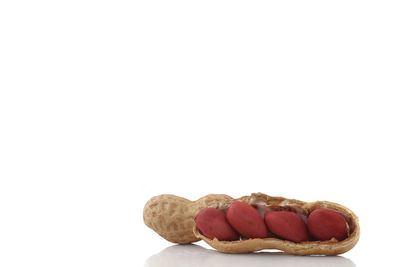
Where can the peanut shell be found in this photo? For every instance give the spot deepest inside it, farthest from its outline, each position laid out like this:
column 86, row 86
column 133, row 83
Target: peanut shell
column 172, row 217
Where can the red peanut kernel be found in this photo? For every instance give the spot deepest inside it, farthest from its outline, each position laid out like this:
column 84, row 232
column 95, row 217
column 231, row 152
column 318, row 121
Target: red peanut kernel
column 287, row 225
column 325, row 224
column 246, row 220
column 213, row 224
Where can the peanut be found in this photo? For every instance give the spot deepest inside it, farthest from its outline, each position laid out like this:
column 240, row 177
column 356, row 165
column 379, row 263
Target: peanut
column 174, row 218
column 246, row 220
column 213, row 224
column 325, row 224
column 287, row 225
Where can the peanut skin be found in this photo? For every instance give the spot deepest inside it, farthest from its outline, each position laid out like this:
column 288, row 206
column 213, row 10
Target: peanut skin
column 246, row 220
column 287, row 225
column 325, row 224
column 213, row 224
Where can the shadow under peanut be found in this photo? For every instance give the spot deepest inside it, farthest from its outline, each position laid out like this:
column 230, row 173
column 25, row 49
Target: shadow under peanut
column 197, row 256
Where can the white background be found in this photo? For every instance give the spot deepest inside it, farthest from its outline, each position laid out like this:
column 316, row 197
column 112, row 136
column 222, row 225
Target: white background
column 104, row 104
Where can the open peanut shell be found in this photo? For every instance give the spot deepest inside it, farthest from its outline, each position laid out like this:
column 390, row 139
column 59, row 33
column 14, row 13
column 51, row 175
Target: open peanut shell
column 172, row 224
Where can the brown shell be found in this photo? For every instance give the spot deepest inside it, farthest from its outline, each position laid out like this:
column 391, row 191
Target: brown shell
column 171, row 216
